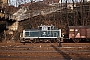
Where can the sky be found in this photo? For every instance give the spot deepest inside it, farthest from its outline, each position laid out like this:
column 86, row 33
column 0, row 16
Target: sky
column 15, row 3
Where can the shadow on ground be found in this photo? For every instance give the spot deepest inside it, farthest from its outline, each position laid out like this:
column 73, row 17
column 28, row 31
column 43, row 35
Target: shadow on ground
column 65, row 56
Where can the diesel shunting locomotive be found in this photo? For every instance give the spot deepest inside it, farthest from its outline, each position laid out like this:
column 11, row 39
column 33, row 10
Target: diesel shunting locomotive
column 42, row 34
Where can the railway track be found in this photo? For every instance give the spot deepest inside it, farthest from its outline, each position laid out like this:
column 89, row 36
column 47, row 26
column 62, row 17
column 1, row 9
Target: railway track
column 47, row 44
column 46, row 51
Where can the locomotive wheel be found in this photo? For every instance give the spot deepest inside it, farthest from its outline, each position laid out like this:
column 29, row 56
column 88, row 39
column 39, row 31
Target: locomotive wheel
column 76, row 40
column 55, row 41
column 35, row 40
column 58, row 40
column 22, row 40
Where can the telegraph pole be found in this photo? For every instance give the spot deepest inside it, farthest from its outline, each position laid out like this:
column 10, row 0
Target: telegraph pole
column 67, row 13
column 81, row 11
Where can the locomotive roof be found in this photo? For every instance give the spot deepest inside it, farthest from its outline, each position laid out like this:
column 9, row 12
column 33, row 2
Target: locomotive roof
column 45, row 25
column 30, row 29
column 79, row 26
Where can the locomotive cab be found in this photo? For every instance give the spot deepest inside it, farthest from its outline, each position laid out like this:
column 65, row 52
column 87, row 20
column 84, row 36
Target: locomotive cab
column 44, row 27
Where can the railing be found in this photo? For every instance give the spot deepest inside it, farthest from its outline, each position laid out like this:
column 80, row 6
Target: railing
column 22, row 14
